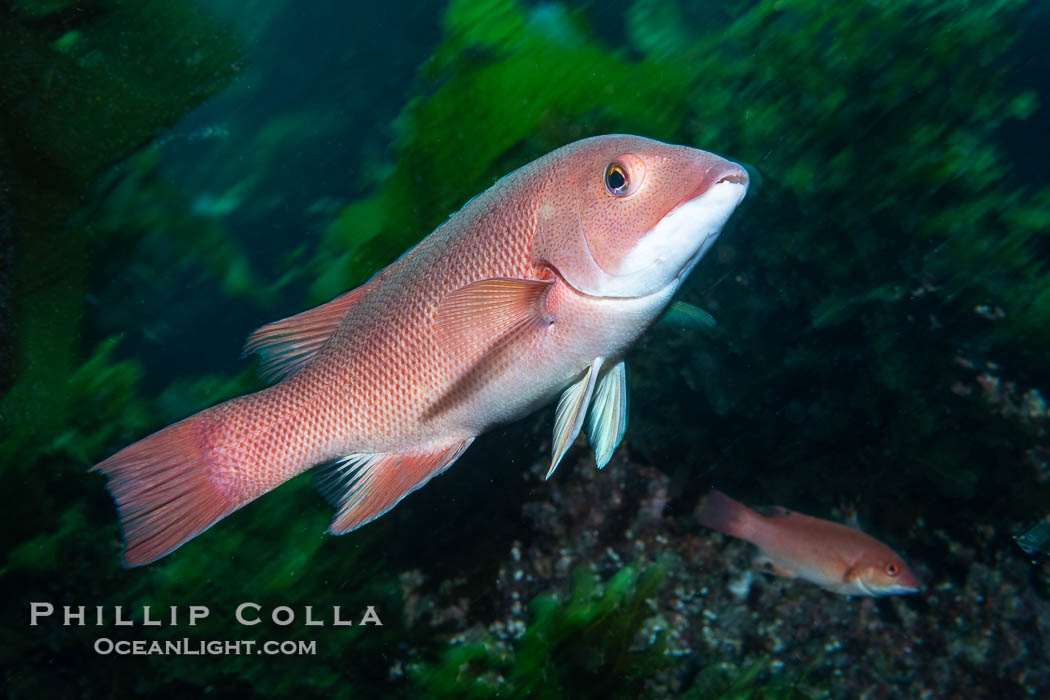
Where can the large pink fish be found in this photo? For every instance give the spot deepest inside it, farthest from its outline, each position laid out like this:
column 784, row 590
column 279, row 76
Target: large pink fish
column 536, row 288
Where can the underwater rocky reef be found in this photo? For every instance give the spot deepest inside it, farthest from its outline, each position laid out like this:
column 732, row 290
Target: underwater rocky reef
column 170, row 180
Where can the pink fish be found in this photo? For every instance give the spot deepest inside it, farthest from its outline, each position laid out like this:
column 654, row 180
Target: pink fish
column 536, row 287
column 833, row 556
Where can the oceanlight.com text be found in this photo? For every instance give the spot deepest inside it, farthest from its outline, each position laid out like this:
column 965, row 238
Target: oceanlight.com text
column 105, row 646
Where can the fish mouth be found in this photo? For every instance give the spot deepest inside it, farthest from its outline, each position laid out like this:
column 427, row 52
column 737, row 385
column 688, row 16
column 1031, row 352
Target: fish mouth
column 730, row 173
column 909, row 588
column 898, row 589
column 720, row 186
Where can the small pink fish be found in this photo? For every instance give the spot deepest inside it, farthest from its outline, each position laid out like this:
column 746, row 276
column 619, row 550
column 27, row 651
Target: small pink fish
column 833, row 556
column 536, row 287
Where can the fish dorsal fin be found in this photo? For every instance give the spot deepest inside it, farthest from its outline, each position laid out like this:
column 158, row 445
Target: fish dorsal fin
column 473, row 318
column 572, row 407
column 364, row 486
column 607, row 415
column 285, row 346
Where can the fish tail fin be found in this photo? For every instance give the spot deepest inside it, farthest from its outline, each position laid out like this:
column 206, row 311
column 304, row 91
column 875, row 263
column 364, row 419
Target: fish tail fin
column 165, row 490
column 722, row 513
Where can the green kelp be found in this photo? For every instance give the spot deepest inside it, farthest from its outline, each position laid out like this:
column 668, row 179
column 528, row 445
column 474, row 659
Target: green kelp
column 713, row 682
column 76, row 98
column 83, row 88
column 586, row 646
column 7, row 334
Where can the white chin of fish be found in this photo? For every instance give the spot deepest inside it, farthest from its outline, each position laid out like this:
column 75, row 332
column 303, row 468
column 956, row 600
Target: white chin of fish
column 672, row 248
column 880, row 592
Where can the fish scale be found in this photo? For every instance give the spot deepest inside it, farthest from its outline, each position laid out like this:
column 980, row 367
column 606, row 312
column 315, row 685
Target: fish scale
column 514, row 299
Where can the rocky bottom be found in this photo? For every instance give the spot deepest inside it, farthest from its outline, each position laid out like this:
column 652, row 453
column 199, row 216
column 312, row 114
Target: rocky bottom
column 980, row 628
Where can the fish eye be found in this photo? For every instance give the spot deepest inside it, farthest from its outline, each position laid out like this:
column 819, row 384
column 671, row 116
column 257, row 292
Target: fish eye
column 617, row 180
column 892, row 569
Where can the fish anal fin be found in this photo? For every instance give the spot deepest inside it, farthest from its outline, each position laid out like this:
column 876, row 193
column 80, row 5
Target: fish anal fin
column 285, row 346
column 364, row 486
column 472, row 318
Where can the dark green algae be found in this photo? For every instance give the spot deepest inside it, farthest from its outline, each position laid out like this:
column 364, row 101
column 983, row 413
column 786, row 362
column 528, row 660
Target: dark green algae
column 883, row 307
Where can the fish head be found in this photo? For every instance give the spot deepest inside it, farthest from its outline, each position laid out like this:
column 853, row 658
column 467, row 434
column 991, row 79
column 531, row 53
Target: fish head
column 885, row 574
column 625, row 216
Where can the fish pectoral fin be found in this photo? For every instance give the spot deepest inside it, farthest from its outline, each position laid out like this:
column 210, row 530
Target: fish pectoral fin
column 364, row 486
column 285, row 346
column 607, row 414
column 684, row 315
column 572, row 407
column 763, row 562
column 472, row 318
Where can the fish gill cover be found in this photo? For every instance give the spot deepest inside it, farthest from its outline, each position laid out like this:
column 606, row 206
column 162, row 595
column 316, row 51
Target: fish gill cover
column 883, row 308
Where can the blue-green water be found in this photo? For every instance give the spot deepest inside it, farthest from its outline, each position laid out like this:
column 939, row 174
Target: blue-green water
column 176, row 174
